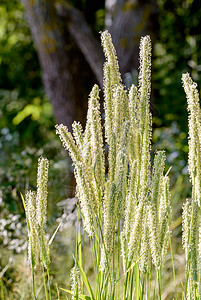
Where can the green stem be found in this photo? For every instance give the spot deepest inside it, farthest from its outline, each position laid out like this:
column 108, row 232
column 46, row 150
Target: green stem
column 44, row 282
column 126, row 280
column 42, row 245
column 131, row 284
column 173, row 268
column 118, row 274
column 159, row 282
column 33, row 283
column 189, row 239
column 49, row 285
column 83, row 257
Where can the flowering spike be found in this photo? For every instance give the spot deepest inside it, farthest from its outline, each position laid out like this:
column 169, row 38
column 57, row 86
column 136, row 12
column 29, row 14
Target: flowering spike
column 145, row 74
column 131, row 200
column 108, row 105
column 122, row 165
column 194, row 123
column 111, row 57
column 186, row 221
column 33, row 246
column 68, row 142
column 75, row 282
column 96, row 138
column 145, row 262
column 159, row 164
column 134, row 117
column 109, row 226
column 41, row 198
column 85, row 196
column 120, row 112
column 78, row 134
column 112, row 158
column 133, row 244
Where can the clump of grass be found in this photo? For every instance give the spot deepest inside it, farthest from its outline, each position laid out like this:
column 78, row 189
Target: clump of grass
column 126, row 211
column 123, row 200
column 35, row 205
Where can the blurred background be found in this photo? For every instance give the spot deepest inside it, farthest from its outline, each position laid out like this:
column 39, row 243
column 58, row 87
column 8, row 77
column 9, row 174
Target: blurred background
column 50, row 56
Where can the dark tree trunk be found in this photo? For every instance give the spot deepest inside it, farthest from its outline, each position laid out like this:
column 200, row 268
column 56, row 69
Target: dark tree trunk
column 62, row 70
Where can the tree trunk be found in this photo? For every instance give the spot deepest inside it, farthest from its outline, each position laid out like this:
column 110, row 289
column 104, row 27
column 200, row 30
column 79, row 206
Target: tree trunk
column 59, row 61
column 59, row 30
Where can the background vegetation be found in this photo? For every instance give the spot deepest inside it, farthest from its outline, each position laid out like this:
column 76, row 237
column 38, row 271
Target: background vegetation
column 27, row 120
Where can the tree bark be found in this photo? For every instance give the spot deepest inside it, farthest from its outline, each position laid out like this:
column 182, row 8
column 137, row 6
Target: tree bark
column 59, row 30
column 84, row 37
column 59, row 61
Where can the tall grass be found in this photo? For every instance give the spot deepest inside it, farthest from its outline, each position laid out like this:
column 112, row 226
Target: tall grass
column 123, row 200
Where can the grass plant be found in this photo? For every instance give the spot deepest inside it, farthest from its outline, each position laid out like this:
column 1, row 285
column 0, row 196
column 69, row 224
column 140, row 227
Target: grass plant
column 123, row 200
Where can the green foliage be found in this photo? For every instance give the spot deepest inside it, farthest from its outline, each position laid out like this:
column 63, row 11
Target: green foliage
column 176, row 51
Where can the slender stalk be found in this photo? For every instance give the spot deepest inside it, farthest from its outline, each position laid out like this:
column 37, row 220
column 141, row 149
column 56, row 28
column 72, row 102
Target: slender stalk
column 77, row 230
column 173, row 268
column 126, row 280
column 42, row 263
column 189, row 240
column 49, row 283
column 83, row 257
column 131, row 284
column 159, row 282
column 118, row 268
column 148, row 283
column 33, row 283
column 44, row 282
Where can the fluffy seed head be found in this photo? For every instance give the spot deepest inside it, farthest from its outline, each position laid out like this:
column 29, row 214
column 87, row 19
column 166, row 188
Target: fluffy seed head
column 68, row 142
column 75, row 282
column 33, row 229
column 111, row 57
column 194, row 122
column 41, row 199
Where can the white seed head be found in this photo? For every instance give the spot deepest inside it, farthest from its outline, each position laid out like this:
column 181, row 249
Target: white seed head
column 75, row 282
column 145, row 70
column 96, row 141
column 78, row 134
column 186, row 221
column 68, row 142
column 111, row 57
column 86, row 200
column 42, row 181
column 131, row 200
column 145, row 261
column 33, row 229
column 194, row 123
column 110, row 211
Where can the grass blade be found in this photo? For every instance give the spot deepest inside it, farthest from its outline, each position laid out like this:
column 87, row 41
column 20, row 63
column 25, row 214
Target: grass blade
column 85, row 279
column 84, row 297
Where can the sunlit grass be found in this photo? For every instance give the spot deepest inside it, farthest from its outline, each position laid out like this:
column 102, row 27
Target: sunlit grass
column 124, row 202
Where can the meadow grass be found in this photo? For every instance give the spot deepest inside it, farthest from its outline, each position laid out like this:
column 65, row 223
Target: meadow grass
column 124, row 201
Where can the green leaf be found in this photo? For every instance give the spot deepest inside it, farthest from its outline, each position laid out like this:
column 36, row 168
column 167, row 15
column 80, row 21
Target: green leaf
column 84, row 297
column 80, row 247
column 133, row 264
column 23, row 201
column 85, row 279
column 54, row 234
